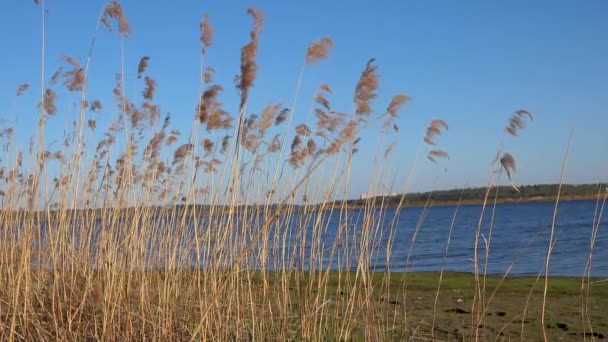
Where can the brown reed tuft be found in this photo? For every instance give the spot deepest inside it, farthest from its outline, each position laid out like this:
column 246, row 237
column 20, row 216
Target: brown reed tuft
column 296, row 143
column 48, row 102
column 115, row 11
column 55, row 76
column 170, row 140
column 269, row 114
column 225, row 144
column 303, row 129
column 516, row 122
column 207, row 100
column 153, row 149
column 245, row 80
column 208, row 146
column 275, row 144
column 322, row 100
column 22, row 88
column 219, row 119
column 92, row 125
column 182, row 152
column 206, row 33
column 434, row 129
column 318, row 50
column 508, row 164
column 148, row 92
column 96, row 106
column 252, row 122
column 326, row 87
column 63, row 180
column 433, row 154
column 74, row 79
column 366, row 88
column 329, row 121
column 152, row 112
column 250, row 141
column 281, row 117
column 142, row 66
column 396, row 103
column 208, row 74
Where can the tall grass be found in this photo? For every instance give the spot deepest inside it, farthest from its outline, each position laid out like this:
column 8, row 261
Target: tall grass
column 218, row 233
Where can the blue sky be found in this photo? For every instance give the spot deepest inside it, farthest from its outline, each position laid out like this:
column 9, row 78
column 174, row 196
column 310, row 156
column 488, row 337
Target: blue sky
column 469, row 63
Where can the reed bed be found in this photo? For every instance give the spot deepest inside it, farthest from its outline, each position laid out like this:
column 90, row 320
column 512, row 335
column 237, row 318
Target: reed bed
column 220, row 233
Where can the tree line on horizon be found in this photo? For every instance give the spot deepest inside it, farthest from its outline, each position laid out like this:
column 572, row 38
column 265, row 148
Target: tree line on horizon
column 526, row 192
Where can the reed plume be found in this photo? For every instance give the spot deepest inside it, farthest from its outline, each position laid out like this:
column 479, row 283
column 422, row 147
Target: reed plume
column 55, row 77
column 434, row 154
column 48, row 102
column 269, row 116
column 206, row 33
column 181, row 153
column 208, row 74
column 96, row 106
column 142, row 66
column 281, row 117
column 433, row 130
column 208, row 146
column 319, row 50
column 115, row 11
column 303, row 129
column 396, row 103
column 325, row 87
column 92, row 125
column 22, row 88
column 517, row 121
column 148, row 92
column 275, row 144
column 508, row 164
column 225, row 144
column 249, row 67
column 74, row 79
column 366, row 88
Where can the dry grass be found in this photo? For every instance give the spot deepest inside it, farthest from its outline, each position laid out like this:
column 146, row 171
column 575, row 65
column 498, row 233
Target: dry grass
column 155, row 234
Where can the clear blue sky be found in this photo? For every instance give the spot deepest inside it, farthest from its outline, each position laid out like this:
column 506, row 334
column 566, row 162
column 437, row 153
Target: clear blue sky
column 470, row 63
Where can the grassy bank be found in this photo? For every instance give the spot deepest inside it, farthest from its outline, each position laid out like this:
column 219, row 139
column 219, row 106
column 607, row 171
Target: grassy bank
column 289, row 306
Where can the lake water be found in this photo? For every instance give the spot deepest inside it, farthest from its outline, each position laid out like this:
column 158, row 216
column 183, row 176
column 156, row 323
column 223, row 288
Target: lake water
column 520, row 238
column 519, row 241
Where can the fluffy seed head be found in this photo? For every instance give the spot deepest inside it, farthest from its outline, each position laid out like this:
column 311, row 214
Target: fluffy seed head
column 74, row 79
column 508, row 164
column 148, row 92
column 245, row 80
column 269, row 113
column 206, row 33
column 366, row 88
column 396, row 103
column 115, row 11
column 142, row 66
column 48, row 102
column 96, row 106
column 517, row 121
column 318, row 50
column 22, row 88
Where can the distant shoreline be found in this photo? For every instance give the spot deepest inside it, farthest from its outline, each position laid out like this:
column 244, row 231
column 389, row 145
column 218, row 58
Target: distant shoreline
column 539, row 199
column 470, row 196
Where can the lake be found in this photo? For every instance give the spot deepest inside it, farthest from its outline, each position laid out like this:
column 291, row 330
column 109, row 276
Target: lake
column 519, row 240
column 518, row 244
